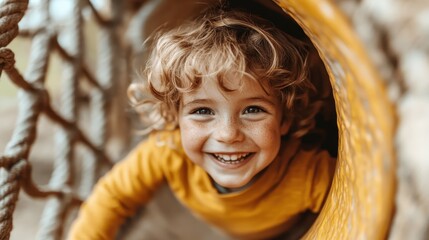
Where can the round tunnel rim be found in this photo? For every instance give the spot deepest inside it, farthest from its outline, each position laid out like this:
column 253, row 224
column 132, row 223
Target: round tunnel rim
column 307, row 13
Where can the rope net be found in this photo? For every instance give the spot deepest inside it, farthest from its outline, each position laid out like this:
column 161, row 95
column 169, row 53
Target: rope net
column 83, row 93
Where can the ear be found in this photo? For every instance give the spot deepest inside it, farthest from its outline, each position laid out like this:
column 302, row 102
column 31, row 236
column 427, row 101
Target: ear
column 285, row 126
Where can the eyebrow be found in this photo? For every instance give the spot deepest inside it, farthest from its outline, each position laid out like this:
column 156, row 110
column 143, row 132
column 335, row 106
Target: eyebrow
column 262, row 99
column 206, row 100
column 198, row 101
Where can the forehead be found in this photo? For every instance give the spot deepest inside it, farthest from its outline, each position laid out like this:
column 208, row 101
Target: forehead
column 232, row 87
column 235, row 81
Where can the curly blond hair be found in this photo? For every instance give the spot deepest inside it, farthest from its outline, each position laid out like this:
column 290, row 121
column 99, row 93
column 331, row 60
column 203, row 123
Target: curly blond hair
column 213, row 46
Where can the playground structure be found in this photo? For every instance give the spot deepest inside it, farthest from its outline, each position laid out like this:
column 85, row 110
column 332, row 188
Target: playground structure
column 379, row 80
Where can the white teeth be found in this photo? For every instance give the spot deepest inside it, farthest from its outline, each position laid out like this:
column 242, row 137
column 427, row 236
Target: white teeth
column 231, row 158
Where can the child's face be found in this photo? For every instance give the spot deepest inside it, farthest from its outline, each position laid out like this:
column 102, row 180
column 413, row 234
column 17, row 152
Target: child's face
column 231, row 135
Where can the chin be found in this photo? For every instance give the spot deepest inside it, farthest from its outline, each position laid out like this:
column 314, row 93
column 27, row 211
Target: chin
column 233, row 184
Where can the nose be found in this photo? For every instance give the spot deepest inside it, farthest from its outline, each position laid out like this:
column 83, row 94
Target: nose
column 228, row 130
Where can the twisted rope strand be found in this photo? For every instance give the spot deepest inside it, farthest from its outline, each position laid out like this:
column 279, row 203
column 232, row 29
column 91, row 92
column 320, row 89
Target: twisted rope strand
column 99, row 19
column 19, row 80
column 100, row 100
column 10, row 14
column 9, row 189
column 54, row 214
column 15, row 169
column 86, row 72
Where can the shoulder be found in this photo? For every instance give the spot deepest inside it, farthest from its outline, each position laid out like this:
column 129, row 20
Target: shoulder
column 313, row 159
column 156, row 150
column 165, row 148
column 302, row 164
column 318, row 168
column 161, row 141
column 308, row 160
column 151, row 159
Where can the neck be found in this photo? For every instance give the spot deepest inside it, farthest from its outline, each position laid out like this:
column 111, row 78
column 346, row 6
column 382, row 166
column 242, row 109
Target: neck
column 224, row 190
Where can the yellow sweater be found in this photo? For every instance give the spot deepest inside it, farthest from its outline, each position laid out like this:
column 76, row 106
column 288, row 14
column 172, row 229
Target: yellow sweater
column 298, row 181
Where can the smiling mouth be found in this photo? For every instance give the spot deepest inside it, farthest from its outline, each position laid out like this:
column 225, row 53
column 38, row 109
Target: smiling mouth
column 231, row 158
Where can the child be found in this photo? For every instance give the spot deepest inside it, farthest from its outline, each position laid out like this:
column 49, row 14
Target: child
column 231, row 101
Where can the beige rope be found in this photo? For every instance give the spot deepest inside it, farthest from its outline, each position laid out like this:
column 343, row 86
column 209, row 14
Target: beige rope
column 11, row 165
column 100, row 102
column 10, row 14
column 9, row 188
column 15, row 170
column 54, row 213
column 23, row 135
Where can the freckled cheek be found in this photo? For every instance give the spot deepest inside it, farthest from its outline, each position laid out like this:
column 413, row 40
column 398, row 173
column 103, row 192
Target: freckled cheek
column 192, row 136
column 267, row 136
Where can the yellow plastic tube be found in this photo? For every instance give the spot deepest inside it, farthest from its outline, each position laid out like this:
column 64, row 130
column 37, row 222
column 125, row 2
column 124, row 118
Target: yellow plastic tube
column 360, row 203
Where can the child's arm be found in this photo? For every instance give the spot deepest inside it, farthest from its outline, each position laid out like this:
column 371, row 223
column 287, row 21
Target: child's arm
column 119, row 193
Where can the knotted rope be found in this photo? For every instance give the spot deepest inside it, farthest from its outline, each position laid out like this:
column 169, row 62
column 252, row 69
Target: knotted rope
column 108, row 75
column 62, row 175
column 12, row 164
column 15, row 169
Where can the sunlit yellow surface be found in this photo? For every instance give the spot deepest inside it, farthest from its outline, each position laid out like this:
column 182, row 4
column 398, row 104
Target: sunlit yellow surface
column 360, row 203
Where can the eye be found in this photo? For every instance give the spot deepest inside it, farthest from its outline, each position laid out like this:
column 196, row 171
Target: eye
column 202, row 111
column 253, row 109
